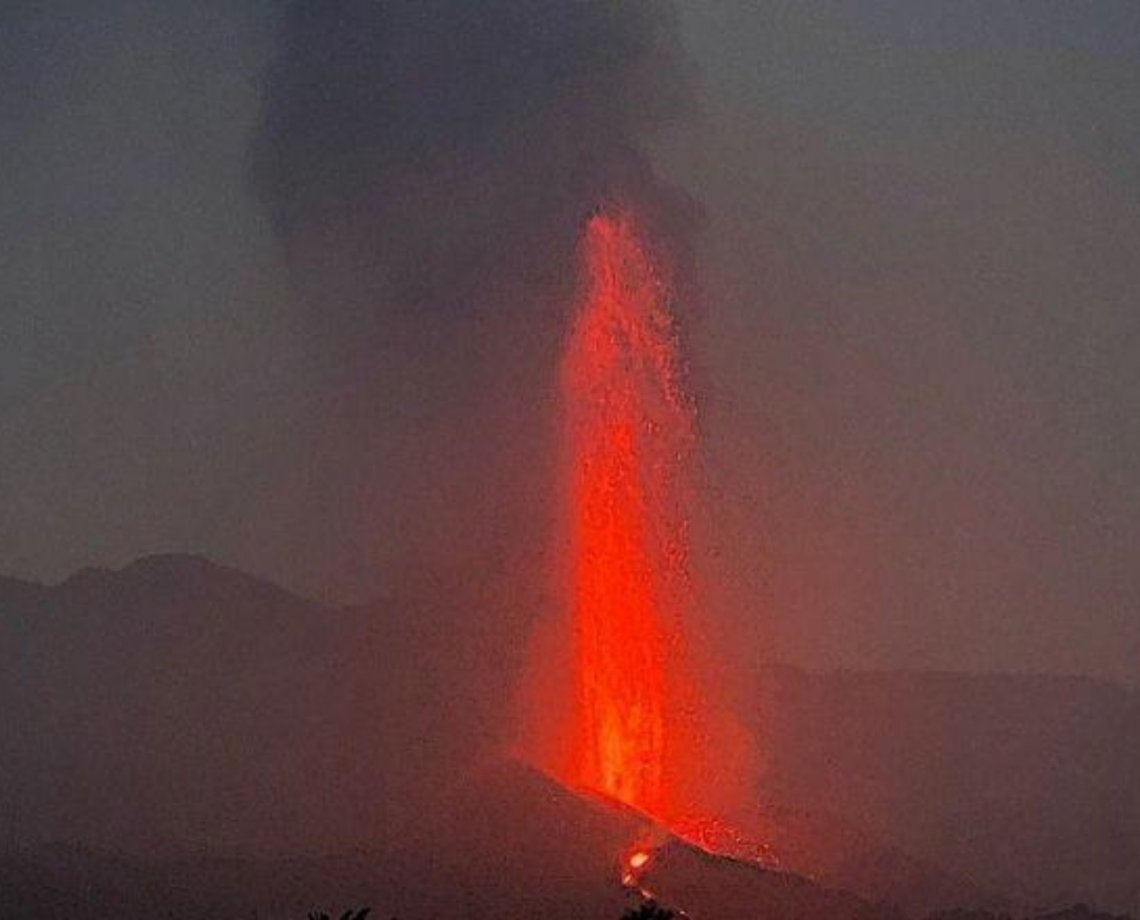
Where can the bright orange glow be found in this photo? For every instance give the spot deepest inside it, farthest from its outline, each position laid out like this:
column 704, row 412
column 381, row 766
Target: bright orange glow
column 631, row 431
column 638, row 859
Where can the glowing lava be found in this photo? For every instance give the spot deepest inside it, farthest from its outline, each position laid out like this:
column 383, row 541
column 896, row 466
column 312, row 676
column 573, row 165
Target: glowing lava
column 631, row 871
column 631, row 432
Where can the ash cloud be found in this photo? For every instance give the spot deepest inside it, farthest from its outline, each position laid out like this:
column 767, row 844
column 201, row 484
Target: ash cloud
column 427, row 168
column 446, row 140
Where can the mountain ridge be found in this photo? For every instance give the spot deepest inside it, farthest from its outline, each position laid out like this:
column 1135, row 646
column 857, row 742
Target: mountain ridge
column 176, row 705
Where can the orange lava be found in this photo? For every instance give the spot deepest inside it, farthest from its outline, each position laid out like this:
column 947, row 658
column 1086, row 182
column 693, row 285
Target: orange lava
column 631, row 433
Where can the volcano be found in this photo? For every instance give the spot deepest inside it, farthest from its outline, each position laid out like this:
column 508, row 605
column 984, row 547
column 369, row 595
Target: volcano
column 176, row 707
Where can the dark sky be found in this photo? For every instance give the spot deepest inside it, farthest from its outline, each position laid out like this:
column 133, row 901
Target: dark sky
column 919, row 345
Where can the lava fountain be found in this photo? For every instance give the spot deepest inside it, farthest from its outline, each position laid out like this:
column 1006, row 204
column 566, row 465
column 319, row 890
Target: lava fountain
column 630, row 437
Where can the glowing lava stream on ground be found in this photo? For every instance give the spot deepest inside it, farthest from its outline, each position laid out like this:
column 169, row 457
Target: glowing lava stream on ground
column 631, row 434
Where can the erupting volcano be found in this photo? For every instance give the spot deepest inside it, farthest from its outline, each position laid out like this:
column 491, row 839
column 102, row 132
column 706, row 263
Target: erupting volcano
column 630, row 438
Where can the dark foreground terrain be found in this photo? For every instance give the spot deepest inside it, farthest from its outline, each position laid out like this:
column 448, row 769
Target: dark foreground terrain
column 563, row 861
column 180, row 738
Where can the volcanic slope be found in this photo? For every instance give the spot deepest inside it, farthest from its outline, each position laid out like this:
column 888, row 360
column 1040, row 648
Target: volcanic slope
column 177, row 707
column 521, row 847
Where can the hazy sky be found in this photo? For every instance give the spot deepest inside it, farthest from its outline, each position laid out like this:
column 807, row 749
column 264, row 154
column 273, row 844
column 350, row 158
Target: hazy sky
column 919, row 347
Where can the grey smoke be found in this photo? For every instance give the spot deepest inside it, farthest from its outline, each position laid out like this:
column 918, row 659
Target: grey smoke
column 428, row 168
column 446, row 143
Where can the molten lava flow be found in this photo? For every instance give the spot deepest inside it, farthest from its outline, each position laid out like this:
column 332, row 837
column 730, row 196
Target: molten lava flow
column 630, row 435
column 632, row 867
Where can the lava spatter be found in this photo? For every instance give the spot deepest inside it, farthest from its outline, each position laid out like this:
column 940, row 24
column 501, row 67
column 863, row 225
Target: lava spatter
column 630, row 437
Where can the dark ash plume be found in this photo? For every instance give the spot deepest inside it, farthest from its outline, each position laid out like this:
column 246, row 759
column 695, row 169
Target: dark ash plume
column 428, row 167
column 438, row 141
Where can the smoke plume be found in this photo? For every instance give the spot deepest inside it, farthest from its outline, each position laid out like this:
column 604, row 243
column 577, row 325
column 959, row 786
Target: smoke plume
column 447, row 139
column 428, row 167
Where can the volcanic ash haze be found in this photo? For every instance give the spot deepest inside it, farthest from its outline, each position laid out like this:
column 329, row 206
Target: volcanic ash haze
column 428, row 168
column 931, row 341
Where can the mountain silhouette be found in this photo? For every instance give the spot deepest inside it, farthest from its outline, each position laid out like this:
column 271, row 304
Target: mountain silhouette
column 206, row 727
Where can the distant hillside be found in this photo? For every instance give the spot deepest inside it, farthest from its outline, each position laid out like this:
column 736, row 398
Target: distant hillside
column 1028, row 785
column 180, row 705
